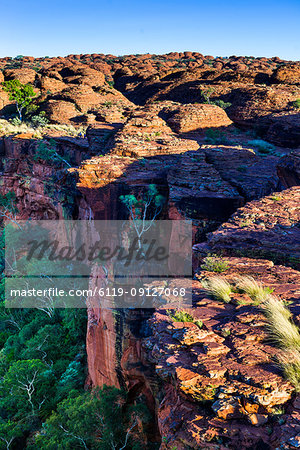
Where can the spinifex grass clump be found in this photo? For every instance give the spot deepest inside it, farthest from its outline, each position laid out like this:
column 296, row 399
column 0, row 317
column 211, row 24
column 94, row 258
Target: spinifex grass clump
column 218, row 288
column 281, row 329
column 285, row 335
column 213, row 263
column 256, row 291
column 290, row 363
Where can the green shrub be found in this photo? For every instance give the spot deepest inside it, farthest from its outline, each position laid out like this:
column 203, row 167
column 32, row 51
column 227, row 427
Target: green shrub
column 290, row 364
column 285, row 335
column 39, row 121
column 21, row 94
column 261, row 145
column 221, row 104
column 180, row 316
column 213, row 263
column 15, row 121
column 183, row 316
column 296, row 103
column 283, row 332
column 47, row 151
column 215, row 137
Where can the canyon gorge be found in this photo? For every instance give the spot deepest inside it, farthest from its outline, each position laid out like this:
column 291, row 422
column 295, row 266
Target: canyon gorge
column 220, row 139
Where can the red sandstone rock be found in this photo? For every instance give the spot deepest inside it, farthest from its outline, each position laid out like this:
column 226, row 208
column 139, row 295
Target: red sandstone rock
column 60, row 111
column 268, row 227
column 288, row 169
column 289, row 74
column 23, row 75
column 281, row 128
column 84, row 75
column 218, row 382
column 52, row 85
column 240, row 383
column 195, row 117
column 4, row 99
column 252, row 175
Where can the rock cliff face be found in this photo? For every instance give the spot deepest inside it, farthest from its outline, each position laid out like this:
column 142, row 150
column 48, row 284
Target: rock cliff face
column 215, row 386
column 44, row 188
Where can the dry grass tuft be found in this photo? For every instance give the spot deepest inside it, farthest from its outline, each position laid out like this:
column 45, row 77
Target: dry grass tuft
column 218, row 288
column 285, row 335
column 256, row 290
column 70, row 130
column 8, row 128
column 290, row 363
column 281, row 329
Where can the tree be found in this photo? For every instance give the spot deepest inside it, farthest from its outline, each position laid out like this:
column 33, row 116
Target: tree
column 47, row 151
column 9, row 431
column 207, row 93
column 8, row 208
column 21, row 94
column 25, row 387
column 92, row 420
column 144, row 210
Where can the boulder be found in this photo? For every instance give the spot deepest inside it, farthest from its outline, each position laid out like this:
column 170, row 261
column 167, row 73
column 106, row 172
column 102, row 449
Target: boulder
column 4, row 99
column 24, row 75
column 59, row 111
column 289, row 74
column 85, row 75
column 52, row 85
column 281, row 128
column 198, row 116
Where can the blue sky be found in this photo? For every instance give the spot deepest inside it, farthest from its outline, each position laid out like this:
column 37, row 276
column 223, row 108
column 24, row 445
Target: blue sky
column 212, row 27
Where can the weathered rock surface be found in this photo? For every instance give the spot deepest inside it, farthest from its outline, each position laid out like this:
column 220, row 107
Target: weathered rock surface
column 256, row 87
column 194, row 117
column 288, row 169
column 197, row 191
column 289, row 74
column 220, row 383
column 251, row 174
column 23, row 75
column 206, row 184
column 44, row 190
column 60, row 111
column 281, row 128
column 263, row 228
column 4, row 99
